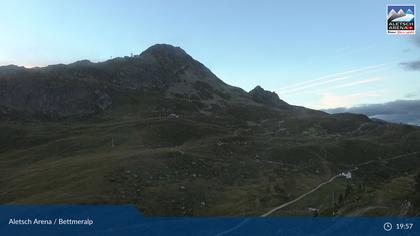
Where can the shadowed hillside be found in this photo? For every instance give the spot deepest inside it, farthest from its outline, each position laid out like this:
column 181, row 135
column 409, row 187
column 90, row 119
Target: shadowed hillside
column 161, row 131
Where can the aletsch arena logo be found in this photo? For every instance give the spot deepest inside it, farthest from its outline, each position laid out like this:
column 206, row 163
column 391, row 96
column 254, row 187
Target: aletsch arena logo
column 401, row 19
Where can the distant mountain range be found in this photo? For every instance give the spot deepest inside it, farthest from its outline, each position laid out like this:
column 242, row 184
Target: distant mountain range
column 400, row 111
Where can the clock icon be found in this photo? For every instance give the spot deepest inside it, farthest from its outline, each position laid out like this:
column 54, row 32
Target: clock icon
column 387, row 226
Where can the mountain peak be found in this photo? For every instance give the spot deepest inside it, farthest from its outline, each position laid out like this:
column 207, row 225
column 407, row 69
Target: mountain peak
column 266, row 97
column 165, row 50
column 257, row 89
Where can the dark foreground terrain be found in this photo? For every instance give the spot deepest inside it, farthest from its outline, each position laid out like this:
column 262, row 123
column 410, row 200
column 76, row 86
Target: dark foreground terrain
column 161, row 131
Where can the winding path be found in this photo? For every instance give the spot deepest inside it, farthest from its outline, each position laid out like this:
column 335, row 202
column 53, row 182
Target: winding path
column 313, row 190
column 332, row 179
column 305, row 194
column 298, row 198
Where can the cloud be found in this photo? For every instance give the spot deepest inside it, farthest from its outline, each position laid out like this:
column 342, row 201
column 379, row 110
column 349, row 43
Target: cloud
column 357, row 83
column 331, row 100
column 400, row 111
column 326, row 79
column 413, row 65
column 413, row 94
column 416, row 40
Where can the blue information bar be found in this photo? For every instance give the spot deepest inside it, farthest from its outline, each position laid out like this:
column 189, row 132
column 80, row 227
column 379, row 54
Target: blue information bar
column 127, row 220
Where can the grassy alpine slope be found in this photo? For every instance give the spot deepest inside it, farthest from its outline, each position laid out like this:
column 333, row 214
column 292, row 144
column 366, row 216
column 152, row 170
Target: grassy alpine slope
column 94, row 133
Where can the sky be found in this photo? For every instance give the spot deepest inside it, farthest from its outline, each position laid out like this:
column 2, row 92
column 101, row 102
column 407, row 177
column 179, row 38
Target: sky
column 319, row 54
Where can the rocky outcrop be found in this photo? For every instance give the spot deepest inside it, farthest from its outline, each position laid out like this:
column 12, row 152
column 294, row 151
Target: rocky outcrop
column 51, row 98
column 269, row 98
